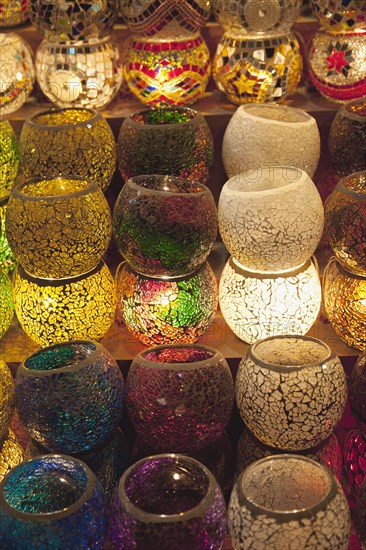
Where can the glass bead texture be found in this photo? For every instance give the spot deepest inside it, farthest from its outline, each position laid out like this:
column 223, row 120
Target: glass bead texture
column 340, row 15
column 179, row 397
column 16, row 72
column 58, row 227
column 11, row 453
column 6, row 303
column 355, row 461
column 257, row 69
column 9, row 158
column 271, row 218
column 357, row 391
column 174, row 141
column 345, row 222
column 68, row 142
column 164, row 226
column 344, row 296
column 52, row 311
column 87, row 74
column 7, row 258
column 162, row 311
column 7, row 397
column 167, row 72
column 258, row 305
column 52, row 502
column 13, row 12
column 289, row 136
column 67, row 20
column 70, row 396
column 170, row 499
column 347, row 138
column 337, row 65
column 288, row 501
column 360, row 515
column 291, row 391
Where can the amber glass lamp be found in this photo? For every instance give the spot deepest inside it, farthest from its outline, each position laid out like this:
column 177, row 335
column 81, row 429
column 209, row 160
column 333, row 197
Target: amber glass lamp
column 13, row 12
column 11, row 453
column 6, row 303
column 9, row 158
column 7, row 397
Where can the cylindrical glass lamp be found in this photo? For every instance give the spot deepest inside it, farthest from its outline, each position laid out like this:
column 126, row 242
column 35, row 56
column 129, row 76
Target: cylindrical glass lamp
column 291, row 391
column 179, row 398
column 13, row 12
column 52, row 501
column 288, row 501
column 339, row 16
column 7, row 258
column 6, row 303
column 172, row 500
column 9, row 158
column 164, row 226
column 175, row 141
column 7, row 397
column 57, row 310
column 68, row 142
column 271, row 218
column 11, row 454
column 357, row 391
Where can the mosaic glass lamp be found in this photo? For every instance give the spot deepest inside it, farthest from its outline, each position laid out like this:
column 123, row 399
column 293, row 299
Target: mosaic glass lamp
column 11, row 453
column 354, row 449
column 340, row 16
column 7, row 258
column 68, row 142
column 172, row 500
column 52, row 501
column 6, row 303
column 7, row 397
column 357, row 392
column 13, row 12
column 360, row 515
column 9, row 158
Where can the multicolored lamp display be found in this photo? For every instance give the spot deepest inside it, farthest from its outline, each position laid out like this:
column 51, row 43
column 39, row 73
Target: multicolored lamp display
column 13, row 12
column 9, row 158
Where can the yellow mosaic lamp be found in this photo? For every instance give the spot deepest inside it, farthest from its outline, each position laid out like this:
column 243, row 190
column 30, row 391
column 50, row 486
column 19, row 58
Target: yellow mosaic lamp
column 6, row 303
column 9, row 158
column 7, row 397
column 13, row 12
column 7, row 258
column 11, row 453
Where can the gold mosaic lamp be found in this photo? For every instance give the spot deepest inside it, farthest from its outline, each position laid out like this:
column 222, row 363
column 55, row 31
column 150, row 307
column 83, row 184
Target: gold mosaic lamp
column 13, row 12
column 9, row 158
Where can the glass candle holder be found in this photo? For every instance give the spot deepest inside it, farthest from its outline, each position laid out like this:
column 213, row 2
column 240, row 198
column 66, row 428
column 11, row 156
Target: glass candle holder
column 13, row 12
column 57, row 310
column 271, row 219
column 179, row 397
column 164, row 226
column 159, row 311
column 339, row 16
column 7, row 258
column 87, row 74
column 347, row 138
column 16, row 72
column 256, row 69
column 344, row 295
column 58, row 227
column 68, row 142
column 53, row 501
column 7, row 397
column 288, row 501
column 173, row 500
column 11, row 454
column 70, row 396
column 167, row 72
column 355, row 461
column 360, row 515
column 6, row 303
column 289, row 136
column 291, row 391
column 175, row 141
column 337, row 65
column 345, row 222
column 9, row 158
column 357, row 391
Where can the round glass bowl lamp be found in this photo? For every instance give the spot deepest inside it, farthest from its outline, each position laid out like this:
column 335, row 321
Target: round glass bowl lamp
column 58, row 227
column 354, row 449
column 271, row 218
column 175, row 141
column 340, row 16
column 7, row 397
column 52, row 501
column 345, row 222
column 7, row 258
column 13, row 12
column 179, row 397
column 164, row 226
column 70, row 396
column 289, row 136
column 87, row 74
column 288, row 501
column 6, row 303
column 172, row 500
column 11, row 454
column 51, row 311
column 291, row 391
column 16, row 72
column 258, row 305
column 68, row 142
column 344, row 295
column 357, row 391
column 162, row 311
column 9, row 158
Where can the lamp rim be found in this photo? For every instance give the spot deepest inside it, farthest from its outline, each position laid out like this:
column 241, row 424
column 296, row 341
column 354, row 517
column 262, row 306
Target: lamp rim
column 215, row 357
column 95, row 116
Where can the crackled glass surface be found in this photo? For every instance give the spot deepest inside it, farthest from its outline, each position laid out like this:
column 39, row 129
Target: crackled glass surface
column 340, row 15
column 57, row 310
column 257, row 305
column 179, row 398
column 58, row 227
column 87, row 74
column 289, row 136
column 13, row 12
column 172, row 500
column 337, row 65
column 347, row 138
column 175, row 141
column 70, row 396
column 6, row 303
column 164, row 226
column 291, row 391
column 75, row 142
column 344, row 295
column 167, row 72
column 360, row 515
column 271, row 218
column 16, row 72
column 11, row 453
column 257, row 69
column 345, row 222
column 7, row 258
column 288, row 501
column 7, row 397
column 52, row 502
column 354, row 449
column 357, row 391
column 9, row 157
